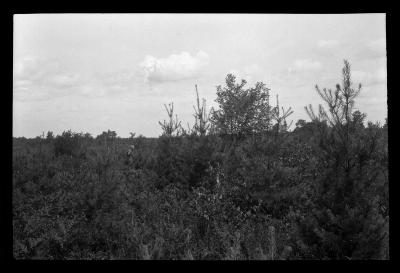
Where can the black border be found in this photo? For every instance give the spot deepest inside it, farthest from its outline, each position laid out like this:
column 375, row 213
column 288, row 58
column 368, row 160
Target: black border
column 196, row 7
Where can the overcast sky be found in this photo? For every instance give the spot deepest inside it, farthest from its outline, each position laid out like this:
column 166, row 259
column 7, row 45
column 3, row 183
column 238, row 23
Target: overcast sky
column 90, row 73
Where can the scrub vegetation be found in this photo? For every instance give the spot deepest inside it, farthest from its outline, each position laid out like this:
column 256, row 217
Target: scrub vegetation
column 241, row 183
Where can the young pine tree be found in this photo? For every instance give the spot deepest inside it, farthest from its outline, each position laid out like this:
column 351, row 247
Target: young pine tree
column 346, row 220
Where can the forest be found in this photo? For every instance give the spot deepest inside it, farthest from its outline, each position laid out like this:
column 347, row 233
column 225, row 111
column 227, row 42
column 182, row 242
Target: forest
column 242, row 183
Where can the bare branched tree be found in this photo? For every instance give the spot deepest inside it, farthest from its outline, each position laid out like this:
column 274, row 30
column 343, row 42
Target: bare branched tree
column 202, row 123
column 280, row 117
column 173, row 126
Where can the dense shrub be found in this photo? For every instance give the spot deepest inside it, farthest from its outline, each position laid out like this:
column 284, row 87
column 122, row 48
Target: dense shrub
column 68, row 143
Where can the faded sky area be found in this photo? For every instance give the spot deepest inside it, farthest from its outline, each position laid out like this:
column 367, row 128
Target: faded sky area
column 90, row 73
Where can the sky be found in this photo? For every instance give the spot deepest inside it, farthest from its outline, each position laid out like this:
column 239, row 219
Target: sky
column 94, row 72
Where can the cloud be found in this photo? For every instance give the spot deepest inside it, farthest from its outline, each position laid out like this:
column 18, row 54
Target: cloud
column 301, row 73
column 290, row 78
column 41, row 79
column 92, row 90
column 376, row 48
column 327, row 43
column 305, row 65
column 371, row 50
column 378, row 45
column 174, row 67
column 63, row 80
column 369, row 78
column 33, row 69
column 254, row 69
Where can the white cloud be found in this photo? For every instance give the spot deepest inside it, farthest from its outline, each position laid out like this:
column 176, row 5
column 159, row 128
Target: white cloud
column 38, row 79
column 125, row 76
column 371, row 50
column 92, row 90
column 253, row 69
column 63, row 80
column 291, row 78
column 305, row 65
column 302, row 72
column 369, row 78
column 34, row 69
column 174, row 67
column 377, row 45
column 327, row 43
